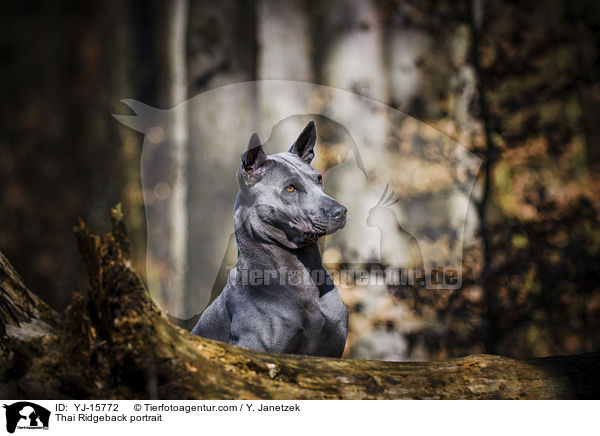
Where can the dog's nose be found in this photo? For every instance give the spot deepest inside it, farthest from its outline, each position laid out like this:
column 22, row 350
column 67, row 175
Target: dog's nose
column 339, row 213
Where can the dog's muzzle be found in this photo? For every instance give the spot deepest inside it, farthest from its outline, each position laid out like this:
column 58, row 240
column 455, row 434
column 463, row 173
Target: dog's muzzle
column 334, row 219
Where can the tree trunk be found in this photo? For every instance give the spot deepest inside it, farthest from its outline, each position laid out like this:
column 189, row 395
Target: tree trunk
column 221, row 50
column 168, row 249
column 115, row 343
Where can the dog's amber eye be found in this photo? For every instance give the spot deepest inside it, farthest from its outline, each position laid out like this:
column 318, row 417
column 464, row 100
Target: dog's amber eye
column 290, row 188
column 320, row 180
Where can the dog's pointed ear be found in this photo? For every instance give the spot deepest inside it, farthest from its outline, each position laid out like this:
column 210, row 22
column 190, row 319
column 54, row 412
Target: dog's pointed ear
column 305, row 144
column 254, row 156
column 252, row 160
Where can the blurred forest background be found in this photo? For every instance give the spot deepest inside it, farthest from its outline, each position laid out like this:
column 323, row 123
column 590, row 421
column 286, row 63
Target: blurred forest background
column 517, row 82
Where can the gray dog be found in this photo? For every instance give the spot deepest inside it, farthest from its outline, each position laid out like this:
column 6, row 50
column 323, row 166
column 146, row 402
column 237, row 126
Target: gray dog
column 279, row 297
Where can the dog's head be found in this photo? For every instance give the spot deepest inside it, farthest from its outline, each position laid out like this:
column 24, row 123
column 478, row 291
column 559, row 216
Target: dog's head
column 287, row 193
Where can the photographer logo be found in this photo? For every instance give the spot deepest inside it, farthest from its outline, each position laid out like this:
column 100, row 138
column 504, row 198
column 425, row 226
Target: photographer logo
column 25, row 415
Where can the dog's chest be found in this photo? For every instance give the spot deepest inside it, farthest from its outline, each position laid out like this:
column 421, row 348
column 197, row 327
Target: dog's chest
column 324, row 325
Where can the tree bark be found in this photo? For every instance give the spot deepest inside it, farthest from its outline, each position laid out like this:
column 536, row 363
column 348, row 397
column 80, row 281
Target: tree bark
column 115, row 343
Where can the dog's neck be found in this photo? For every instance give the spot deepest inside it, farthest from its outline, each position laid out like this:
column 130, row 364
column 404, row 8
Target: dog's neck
column 257, row 250
column 290, row 270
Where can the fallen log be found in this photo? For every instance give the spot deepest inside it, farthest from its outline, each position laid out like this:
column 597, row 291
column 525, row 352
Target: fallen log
column 114, row 343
